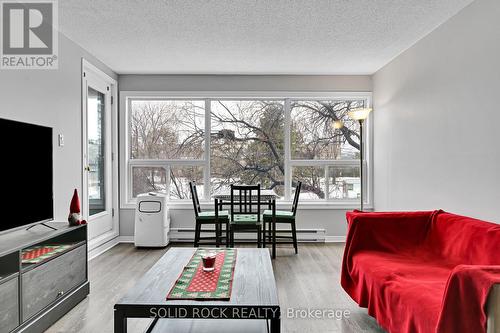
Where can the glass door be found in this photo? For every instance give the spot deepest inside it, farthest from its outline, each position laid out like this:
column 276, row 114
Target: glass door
column 97, row 138
column 96, row 133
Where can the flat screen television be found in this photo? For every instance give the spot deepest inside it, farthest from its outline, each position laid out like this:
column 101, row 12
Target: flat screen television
column 26, row 181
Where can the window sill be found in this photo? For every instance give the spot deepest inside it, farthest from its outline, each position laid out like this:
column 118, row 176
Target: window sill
column 283, row 205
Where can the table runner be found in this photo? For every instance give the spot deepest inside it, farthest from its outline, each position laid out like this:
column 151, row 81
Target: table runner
column 36, row 254
column 196, row 284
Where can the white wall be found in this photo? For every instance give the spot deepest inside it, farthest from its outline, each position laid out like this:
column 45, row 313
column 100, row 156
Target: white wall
column 332, row 220
column 245, row 83
column 53, row 98
column 437, row 119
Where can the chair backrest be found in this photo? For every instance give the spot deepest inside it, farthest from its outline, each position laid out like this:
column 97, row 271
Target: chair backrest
column 194, row 198
column 296, row 197
column 247, row 199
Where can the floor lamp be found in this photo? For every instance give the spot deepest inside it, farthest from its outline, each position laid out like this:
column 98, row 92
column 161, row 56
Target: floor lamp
column 360, row 115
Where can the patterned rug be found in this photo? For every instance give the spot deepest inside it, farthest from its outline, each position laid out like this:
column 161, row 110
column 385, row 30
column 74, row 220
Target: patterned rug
column 36, row 254
column 196, row 284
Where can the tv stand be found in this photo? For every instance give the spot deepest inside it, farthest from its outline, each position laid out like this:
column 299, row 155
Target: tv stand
column 43, row 223
column 35, row 293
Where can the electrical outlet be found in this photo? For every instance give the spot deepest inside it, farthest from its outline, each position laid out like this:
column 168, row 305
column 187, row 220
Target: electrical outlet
column 61, row 140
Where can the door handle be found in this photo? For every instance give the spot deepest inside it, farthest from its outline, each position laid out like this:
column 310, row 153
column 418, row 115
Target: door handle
column 87, row 168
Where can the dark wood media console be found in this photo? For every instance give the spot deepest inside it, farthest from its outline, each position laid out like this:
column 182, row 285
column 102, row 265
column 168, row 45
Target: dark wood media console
column 35, row 295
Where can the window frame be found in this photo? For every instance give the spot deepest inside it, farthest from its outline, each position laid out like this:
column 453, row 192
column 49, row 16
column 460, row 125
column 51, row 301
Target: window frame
column 126, row 164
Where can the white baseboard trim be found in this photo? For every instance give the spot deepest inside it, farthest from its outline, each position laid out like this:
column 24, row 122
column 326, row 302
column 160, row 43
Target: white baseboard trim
column 98, row 250
column 335, row 239
column 126, row 239
column 100, row 240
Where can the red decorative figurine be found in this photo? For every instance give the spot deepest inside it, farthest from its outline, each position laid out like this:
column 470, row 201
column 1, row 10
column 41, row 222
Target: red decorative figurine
column 74, row 217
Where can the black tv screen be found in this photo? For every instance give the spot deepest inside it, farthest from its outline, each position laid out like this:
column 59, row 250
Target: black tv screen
column 26, row 181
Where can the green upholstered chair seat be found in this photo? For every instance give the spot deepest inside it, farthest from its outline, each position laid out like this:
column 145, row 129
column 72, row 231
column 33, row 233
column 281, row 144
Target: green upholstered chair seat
column 210, row 215
column 281, row 215
column 245, row 219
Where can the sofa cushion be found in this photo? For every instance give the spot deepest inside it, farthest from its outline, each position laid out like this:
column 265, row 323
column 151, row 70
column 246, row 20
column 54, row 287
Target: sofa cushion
column 245, row 219
column 210, row 215
column 280, row 215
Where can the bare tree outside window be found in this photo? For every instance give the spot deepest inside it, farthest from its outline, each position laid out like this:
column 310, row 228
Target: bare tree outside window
column 167, row 129
column 146, row 179
column 180, row 176
column 313, row 181
column 313, row 136
column 247, row 144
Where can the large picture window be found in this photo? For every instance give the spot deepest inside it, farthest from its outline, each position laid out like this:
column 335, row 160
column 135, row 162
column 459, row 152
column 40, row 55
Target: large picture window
column 219, row 141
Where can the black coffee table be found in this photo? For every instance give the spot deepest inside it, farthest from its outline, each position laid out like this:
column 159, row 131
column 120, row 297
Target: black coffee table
column 254, row 296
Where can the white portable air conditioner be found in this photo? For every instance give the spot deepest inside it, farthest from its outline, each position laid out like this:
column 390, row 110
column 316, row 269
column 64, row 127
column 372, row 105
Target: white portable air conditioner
column 152, row 220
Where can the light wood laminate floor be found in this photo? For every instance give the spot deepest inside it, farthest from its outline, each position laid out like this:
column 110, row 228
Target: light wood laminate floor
column 309, row 280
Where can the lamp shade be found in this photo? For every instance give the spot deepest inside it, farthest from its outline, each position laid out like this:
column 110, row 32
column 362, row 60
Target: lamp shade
column 338, row 124
column 359, row 114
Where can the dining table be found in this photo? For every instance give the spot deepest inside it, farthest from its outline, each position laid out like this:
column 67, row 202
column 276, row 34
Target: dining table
column 268, row 199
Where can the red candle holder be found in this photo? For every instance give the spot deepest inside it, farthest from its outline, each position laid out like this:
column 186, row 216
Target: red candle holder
column 208, row 260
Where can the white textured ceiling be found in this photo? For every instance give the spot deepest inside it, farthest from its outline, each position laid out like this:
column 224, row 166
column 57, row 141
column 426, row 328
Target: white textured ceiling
column 250, row 36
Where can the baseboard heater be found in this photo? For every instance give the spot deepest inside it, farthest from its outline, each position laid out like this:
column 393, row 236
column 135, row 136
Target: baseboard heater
column 303, row 235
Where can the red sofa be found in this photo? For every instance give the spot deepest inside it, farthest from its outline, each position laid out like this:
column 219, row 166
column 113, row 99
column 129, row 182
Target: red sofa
column 422, row 271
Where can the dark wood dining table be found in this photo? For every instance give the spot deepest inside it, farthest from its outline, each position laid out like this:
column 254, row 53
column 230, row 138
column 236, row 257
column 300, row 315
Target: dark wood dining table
column 268, row 199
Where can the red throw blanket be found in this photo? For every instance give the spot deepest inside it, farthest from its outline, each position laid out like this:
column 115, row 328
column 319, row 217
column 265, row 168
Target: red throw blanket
column 420, row 272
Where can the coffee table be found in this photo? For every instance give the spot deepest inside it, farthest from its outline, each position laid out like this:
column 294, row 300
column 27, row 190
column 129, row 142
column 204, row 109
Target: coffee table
column 254, row 296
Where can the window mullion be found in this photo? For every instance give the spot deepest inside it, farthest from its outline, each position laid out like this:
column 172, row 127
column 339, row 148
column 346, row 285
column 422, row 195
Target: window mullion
column 288, row 171
column 130, row 184
column 206, row 169
column 167, row 180
column 327, row 184
column 128, row 150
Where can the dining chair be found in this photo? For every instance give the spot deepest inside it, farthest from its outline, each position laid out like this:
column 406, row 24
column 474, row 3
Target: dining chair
column 286, row 217
column 245, row 211
column 216, row 218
